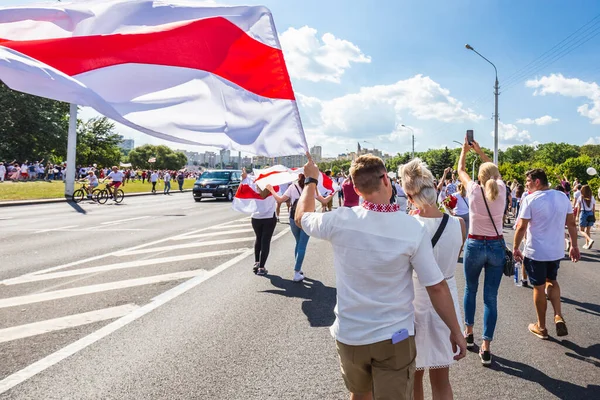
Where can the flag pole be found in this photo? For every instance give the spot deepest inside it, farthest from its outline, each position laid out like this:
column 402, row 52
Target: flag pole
column 71, row 152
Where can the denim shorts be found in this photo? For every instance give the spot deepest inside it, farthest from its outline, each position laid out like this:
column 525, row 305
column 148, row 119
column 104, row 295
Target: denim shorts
column 539, row 271
column 583, row 222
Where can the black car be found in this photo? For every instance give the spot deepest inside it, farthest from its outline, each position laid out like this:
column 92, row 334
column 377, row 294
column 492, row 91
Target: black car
column 219, row 184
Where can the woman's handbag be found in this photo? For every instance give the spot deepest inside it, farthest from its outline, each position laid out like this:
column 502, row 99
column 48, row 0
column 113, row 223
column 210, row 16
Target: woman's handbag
column 509, row 268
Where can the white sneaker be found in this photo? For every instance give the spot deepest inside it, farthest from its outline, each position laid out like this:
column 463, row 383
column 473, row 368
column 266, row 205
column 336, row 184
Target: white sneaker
column 591, row 244
column 298, row 276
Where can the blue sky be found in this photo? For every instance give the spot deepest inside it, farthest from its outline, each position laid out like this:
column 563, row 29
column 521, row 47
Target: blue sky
column 362, row 68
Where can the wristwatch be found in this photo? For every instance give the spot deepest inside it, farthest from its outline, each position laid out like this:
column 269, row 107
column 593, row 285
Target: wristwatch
column 310, row 180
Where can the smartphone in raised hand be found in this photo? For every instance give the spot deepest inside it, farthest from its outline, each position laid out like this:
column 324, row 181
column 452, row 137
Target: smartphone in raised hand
column 470, row 136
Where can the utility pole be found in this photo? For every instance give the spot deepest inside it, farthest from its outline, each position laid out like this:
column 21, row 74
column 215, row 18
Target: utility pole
column 71, row 152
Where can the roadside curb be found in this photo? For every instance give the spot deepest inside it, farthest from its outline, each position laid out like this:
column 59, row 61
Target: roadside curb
column 12, row 203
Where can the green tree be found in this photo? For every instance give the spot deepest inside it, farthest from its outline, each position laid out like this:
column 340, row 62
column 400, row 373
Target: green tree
column 555, row 153
column 32, row 127
column 97, row 143
column 592, row 150
column 166, row 158
column 575, row 168
column 516, row 154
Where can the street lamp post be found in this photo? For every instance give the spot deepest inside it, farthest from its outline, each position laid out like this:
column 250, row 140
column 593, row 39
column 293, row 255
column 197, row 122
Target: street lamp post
column 496, row 93
column 413, row 139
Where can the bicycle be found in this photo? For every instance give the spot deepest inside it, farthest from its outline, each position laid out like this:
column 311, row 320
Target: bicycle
column 106, row 193
column 82, row 193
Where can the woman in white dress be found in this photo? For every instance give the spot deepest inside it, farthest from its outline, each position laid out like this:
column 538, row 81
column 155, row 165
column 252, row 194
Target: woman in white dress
column 434, row 351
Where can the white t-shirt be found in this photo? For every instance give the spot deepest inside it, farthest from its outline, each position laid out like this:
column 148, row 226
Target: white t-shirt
column 93, row 180
column 374, row 263
column 116, row 176
column 154, row 177
column 167, row 177
column 583, row 205
column 576, row 196
column 546, row 211
column 293, row 192
column 462, row 204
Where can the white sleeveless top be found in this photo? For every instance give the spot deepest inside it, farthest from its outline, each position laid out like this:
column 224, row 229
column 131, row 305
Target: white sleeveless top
column 448, row 246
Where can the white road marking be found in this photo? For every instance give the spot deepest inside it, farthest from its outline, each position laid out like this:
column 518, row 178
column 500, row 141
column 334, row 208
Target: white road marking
column 124, row 265
column 102, row 287
column 56, row 229
column 184, row 246
column 108, row 253
column 121, row 221
column 242, row 225
column 71, row 321
column 211, row 234
column 30, row 371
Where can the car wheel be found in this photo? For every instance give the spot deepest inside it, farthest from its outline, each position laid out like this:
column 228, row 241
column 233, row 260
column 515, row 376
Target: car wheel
column 230, row 196
column 197, row 200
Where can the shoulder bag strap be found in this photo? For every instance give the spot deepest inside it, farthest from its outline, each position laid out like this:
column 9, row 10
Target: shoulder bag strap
column 440, row 230
column 464, row 200
column 488, row 209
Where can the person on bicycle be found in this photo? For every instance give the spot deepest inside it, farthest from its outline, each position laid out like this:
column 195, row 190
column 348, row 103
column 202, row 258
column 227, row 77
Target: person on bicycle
column 92, row 183
column 117, row 180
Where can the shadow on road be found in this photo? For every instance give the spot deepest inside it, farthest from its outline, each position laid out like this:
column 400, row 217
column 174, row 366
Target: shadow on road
column 76, row 207
column 320, row 299
column 581, row 353
column 590, row 257
column 588, row 308
column 561, row 389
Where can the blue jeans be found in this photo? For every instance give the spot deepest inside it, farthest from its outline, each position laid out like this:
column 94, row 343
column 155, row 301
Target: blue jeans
column 167, row 187
column 301, row 243
column 481, row 255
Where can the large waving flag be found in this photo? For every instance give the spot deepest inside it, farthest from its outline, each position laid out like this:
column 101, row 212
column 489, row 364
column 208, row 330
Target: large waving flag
column 276, row 175
column 193, row 74
column 248, row 200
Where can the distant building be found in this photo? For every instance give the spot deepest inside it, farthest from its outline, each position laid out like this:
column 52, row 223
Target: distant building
column 316, row 153
column 126, row 144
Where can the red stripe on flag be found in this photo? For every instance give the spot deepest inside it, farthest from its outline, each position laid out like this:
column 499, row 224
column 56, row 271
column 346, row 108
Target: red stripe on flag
column 213, row 45
column 246, row 192
column 327, row 182
column 261, row 176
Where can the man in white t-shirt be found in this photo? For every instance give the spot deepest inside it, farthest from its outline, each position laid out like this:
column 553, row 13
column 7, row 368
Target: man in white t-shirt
column 167, row 179
column 374, row 262
column 117, row 180
column 153, row 180
column 543, row 215
column 2, row 171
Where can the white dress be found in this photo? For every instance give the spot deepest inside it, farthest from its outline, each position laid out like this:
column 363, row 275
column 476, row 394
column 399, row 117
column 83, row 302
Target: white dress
column 432, row 336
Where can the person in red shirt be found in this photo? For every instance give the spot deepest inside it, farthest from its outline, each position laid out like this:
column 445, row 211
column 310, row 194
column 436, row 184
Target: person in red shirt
column 351, row 198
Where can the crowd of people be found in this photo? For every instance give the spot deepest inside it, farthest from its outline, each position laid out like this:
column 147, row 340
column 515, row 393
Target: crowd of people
column 398, row 309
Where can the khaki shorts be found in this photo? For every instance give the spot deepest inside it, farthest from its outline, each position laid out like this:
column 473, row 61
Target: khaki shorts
column 386, row 369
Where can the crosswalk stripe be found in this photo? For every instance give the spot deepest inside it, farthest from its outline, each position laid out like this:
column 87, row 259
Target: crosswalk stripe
column 56, row 229
column 184, row 246
column 102, row 287
column 71, row 321
column 123, row 265
column 211, row 234
column 120, row 221
column 237, row 226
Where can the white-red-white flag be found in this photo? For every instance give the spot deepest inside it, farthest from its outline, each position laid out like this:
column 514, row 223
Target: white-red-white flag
column 276, row 175
column 248, row 200
column 184, row 72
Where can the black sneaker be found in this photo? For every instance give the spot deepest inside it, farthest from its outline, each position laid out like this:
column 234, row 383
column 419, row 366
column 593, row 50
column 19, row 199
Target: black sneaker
column 470, row 341
column 261, row 272
column 486, row 357
column 255, row 268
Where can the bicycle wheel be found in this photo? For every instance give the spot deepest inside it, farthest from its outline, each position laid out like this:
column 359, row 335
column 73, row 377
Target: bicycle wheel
column 78, row 195
column 102, row 196
column 96, row 194
column 120, row 196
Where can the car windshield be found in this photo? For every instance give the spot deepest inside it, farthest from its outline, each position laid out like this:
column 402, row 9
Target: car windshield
column 216, row 175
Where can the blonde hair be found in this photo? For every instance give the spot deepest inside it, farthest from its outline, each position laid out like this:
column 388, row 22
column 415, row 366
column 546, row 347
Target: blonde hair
column 366, row 173
column 462, row 190
column 417, row 182
column 488, row 173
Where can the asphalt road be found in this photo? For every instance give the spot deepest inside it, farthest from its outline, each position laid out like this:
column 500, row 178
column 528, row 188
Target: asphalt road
column 155, row 298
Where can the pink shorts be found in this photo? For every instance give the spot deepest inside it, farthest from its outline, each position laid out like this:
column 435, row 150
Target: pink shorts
column 116, row 184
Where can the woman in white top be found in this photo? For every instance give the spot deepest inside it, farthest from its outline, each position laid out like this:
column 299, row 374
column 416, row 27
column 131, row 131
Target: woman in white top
column 586, row 206
column 434, row 351
column 462, row 204
column 292, row 194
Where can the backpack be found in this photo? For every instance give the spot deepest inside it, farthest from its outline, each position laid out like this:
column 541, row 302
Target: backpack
column 293, row 209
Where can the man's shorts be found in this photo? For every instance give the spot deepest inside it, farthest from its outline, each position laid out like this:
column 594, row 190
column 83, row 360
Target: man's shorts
column 387, row 369
column 116, row 184
column 540, row 271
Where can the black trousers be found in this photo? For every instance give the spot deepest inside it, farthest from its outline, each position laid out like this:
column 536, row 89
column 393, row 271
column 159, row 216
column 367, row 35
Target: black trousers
column 153, row 186
column 263, row 229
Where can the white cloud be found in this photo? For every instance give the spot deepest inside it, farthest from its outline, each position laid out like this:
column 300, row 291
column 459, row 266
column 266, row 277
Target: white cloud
column 545, row 120
column 378, row 110
column 593, row 140
column 570, row 87
column 510, row 134
column 316, row 60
